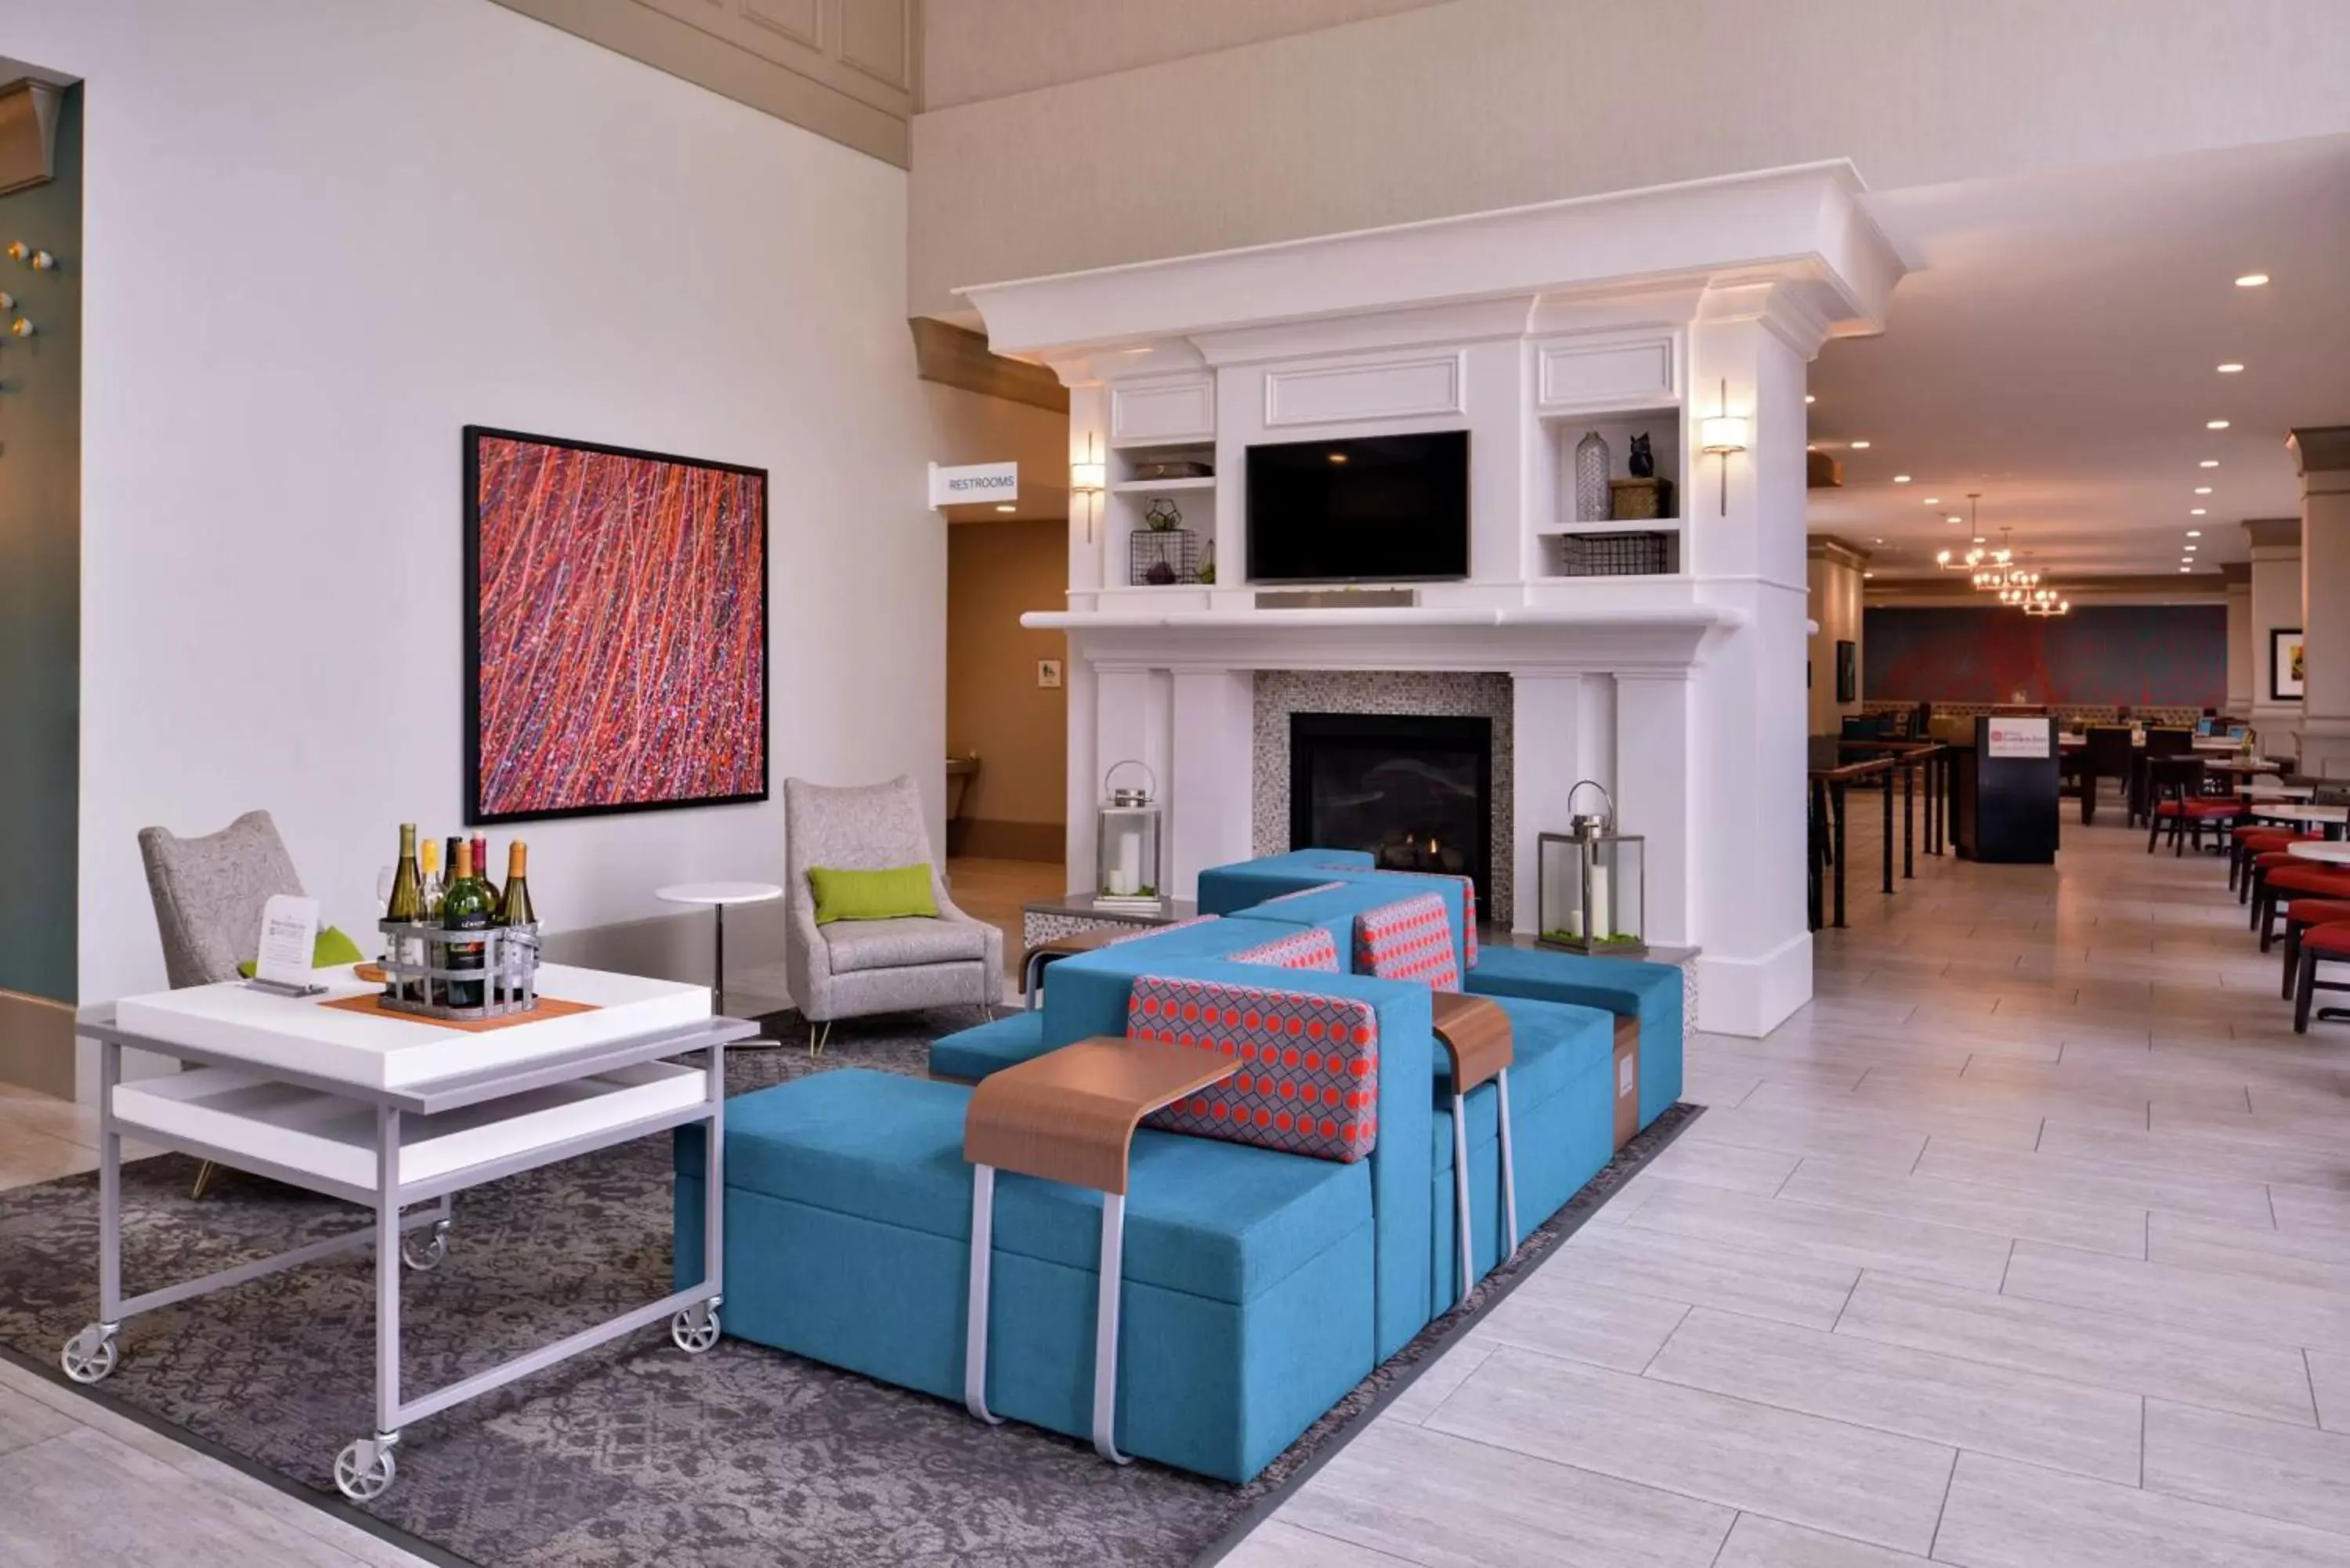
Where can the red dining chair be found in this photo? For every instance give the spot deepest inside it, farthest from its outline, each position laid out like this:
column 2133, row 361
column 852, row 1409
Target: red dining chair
column 2319, row 944
column 2285, row 883
column 2299, row 916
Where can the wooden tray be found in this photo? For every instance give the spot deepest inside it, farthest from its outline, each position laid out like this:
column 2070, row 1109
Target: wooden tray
column 549, row 1007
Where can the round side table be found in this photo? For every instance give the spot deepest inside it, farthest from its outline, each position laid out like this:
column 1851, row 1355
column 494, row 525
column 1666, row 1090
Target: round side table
column 718, row 896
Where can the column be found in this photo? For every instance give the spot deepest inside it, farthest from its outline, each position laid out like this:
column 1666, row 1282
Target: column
column 2274, row 601
column 2324, row 453
column 2241, row 662
column 1211, row 791
column 1747, row 715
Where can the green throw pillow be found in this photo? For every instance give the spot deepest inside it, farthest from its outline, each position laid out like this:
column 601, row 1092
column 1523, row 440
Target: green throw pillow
column 330, row 948
column 872, row 894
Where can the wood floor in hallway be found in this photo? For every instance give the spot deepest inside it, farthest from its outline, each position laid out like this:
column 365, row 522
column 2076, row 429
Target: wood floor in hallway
column 2026, row 1245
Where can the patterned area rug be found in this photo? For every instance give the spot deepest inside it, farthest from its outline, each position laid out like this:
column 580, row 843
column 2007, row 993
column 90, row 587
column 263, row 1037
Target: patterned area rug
column 635, row 1454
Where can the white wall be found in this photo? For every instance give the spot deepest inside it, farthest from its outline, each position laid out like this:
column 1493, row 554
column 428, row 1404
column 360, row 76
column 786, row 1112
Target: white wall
column 1835, row 603
column 325, row 236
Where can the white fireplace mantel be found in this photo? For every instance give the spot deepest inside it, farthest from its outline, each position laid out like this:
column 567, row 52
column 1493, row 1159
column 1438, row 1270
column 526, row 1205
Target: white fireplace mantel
column 1638, row 313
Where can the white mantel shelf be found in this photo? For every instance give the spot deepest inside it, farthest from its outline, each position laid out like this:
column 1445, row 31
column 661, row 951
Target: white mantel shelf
column 1697, row 618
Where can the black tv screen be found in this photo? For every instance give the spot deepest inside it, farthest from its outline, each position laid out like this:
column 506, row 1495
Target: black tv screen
column 1379, row 509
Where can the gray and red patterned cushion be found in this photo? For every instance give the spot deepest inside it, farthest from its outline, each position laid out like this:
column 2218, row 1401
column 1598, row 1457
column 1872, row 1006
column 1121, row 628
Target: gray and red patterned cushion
column 1312, row 948
column 1408, row 939
column 1309, row 1083
column 1468, row 899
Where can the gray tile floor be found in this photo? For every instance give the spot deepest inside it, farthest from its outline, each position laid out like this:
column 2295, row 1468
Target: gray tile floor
column 2025, row 1245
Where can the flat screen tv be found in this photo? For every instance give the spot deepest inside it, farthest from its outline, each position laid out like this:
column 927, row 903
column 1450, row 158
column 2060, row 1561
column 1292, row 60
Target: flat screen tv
column 1381, row 509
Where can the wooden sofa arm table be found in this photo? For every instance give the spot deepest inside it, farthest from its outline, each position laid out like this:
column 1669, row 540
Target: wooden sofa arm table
column 1475, row 1033
column 1034, row 962
column 1069, row 1116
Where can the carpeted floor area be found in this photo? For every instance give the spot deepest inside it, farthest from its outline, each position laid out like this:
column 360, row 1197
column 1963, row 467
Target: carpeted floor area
column 635, row 1454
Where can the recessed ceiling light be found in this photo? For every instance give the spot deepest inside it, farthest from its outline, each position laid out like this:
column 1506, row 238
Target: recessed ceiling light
column 2185, row 568
column 1868, row 574
column 2215, row 424
column 1900, row 478
column 2197, row 511
column 2230, row 369
column 1933, row 501
column 2252, row 280
column 1338, row 457
column 2195, row 532
column 1007, row 509
column 2188, row 548
column 1880, row 541
column 1860, row 446
column 1809, row 399
column 1979, row 538
column 1954, row 517
column 2202, row 490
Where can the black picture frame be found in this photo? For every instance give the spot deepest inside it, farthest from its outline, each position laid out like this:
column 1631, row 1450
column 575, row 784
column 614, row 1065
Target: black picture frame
column 2286, row 685
column 1847, row 655
column 472, row 438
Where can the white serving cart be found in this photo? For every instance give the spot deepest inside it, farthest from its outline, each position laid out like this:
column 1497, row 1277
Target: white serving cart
column 392, row 1113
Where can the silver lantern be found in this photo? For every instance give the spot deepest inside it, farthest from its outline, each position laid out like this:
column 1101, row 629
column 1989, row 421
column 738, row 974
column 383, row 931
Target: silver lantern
column 1591, row 889
column 1129, row 833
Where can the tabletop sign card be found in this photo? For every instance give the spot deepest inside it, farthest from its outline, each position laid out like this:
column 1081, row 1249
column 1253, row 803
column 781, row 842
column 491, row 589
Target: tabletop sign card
column 2020, row 737
column 289, row 936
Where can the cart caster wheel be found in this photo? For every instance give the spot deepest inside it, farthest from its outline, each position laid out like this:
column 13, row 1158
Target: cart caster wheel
column 90, row 1354
column 424, row 1256
column 695, row 1329
column 364, row 1470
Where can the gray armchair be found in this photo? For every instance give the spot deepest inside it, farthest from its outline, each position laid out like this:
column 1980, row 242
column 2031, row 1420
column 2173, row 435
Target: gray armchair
column 209, row 894
column 853, row 968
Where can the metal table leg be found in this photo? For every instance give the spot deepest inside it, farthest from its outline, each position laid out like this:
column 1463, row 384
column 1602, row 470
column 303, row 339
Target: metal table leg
column 1461, row 1192
column 975, row 1333
column 1888, row 828
column 1908, row 821
column 1836, row 808
column 1113, row 1271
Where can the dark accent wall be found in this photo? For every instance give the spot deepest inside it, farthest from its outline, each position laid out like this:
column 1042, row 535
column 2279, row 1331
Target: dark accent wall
column 40, row 580
column 2170, row 655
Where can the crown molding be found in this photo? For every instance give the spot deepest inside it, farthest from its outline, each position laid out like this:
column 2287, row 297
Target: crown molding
column 2320, row 449
column 2273, row 533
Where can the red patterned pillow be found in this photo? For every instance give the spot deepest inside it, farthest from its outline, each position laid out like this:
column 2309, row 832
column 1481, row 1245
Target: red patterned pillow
column 1312, row 948
column 1468, row 901
column 1408, row 939
column 1309, row 1083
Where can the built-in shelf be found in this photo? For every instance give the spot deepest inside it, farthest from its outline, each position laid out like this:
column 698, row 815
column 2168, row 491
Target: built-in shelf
column 1153, row 486
column 1614, row 526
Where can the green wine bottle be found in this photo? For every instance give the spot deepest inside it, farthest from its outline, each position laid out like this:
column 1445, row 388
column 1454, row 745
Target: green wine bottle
column 482, row 867
column 407, row 885
column 513, row 903
column 465, row 906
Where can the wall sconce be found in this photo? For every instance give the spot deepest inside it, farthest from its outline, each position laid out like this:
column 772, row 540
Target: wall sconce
column 1088, row 479
column 1718, row 435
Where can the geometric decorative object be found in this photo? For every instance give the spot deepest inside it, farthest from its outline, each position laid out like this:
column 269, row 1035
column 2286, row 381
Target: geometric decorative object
column 615, row 629
column 1591, row 883
column 1591, row 494
column 1159, row 558
column 1613, row 555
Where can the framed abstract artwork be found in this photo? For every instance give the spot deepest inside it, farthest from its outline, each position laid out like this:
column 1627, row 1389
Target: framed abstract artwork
column 2285, row 683
column 615, row 629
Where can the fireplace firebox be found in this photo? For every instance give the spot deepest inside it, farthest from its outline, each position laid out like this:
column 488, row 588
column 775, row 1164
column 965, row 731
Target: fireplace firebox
column 1415, row 791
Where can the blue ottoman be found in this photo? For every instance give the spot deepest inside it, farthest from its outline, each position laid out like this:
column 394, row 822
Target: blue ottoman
column 973, row 1053
column 1247, row 1304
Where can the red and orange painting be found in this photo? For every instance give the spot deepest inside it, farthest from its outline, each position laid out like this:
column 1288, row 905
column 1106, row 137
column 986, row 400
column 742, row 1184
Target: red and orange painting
column 615, row 628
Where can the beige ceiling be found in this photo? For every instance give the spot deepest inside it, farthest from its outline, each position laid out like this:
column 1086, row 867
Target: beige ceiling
column 2057, row 350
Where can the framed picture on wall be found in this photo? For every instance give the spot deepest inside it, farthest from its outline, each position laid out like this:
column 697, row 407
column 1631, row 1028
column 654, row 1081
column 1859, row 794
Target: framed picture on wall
column 2284, row 664
column 1848, row 671
column 615, row 629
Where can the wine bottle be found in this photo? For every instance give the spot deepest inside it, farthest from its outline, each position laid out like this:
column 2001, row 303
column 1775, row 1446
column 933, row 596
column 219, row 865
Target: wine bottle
column 433, row 886
column 407, row 885
column 465, row 906
column 481, row 868
column 513, row 903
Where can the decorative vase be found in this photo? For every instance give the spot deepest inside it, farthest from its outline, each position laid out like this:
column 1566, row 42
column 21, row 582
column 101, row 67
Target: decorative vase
column 1591, row 496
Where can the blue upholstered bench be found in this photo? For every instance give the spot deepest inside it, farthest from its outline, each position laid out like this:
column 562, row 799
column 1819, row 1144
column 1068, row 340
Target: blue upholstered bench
column 973, row 1053
column 1628, row 988
column 1247, row 1298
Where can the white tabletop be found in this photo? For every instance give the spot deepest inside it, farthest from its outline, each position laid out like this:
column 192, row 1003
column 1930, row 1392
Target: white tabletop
column 717, row 892
column 234, row 1022
column 2332, row 853
column 2301, row 812
column 2244, row 765
column 2270, row 791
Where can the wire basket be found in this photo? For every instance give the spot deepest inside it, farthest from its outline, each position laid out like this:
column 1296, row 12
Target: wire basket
column 1157, row 557
column 1638, row 555
column 418, row 970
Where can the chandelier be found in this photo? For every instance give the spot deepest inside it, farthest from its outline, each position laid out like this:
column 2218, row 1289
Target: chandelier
column 2046, row 602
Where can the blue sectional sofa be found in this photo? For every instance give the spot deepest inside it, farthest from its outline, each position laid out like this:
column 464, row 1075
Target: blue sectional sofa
column 1260, row 1285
